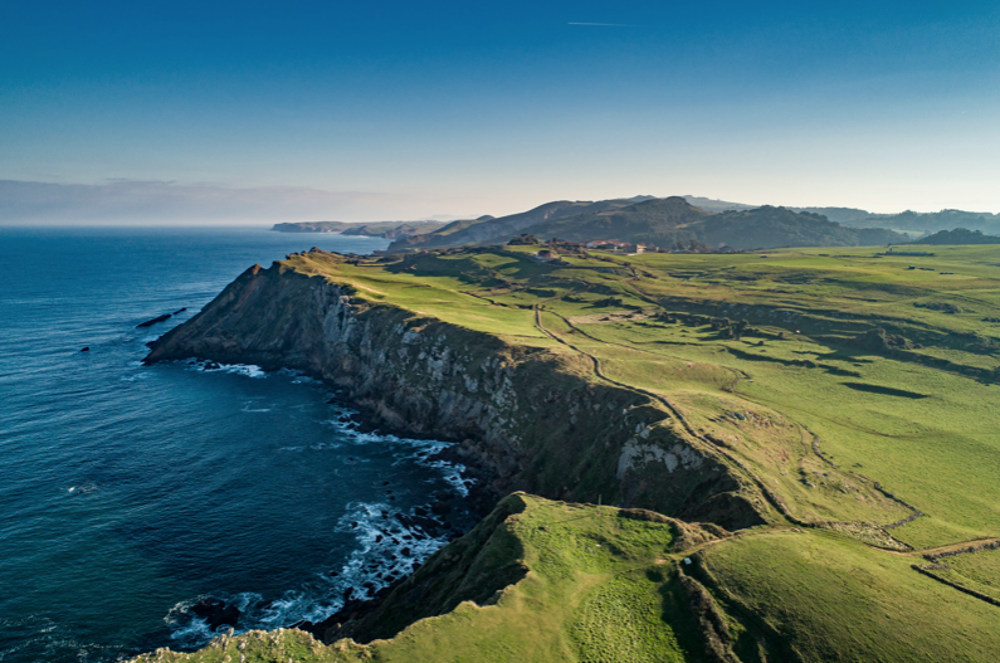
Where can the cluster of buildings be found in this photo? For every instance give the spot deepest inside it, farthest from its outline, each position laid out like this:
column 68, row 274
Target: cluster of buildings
column 619, row 247
column 553, row 246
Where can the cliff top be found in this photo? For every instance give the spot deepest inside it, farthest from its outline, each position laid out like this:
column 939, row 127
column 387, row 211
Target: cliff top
column 542, row 581
column 849, row 348
column 852, row 394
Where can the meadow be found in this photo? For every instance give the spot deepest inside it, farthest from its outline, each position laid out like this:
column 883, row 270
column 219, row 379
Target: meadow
column 854, row 388
column 918, row 418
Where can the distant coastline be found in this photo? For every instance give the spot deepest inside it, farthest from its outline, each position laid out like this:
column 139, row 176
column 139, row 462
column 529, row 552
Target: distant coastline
column 386, row 229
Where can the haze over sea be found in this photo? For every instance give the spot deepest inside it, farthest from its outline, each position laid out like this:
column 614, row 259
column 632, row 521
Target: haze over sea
column 128, row 493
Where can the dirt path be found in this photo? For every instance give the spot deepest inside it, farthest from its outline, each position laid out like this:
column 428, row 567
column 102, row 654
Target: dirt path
column 772, row 499
column 740, row 375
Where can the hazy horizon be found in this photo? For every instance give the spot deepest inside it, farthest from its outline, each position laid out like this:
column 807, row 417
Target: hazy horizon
column 153, row 204
column 260, row 113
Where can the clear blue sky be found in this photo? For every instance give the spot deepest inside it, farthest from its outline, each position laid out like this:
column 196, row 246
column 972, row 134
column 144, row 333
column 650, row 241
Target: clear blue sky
column 384, row 109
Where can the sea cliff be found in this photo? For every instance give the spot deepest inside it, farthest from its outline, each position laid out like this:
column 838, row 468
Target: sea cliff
column 533, row 420
column 803, row 389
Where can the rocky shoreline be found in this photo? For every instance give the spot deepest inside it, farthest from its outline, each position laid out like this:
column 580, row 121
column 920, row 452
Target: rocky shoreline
column 419, row 377
column 411, row 376
column 481, row 497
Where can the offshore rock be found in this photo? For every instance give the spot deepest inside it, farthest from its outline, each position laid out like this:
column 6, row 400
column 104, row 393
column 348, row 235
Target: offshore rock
column 157, row 319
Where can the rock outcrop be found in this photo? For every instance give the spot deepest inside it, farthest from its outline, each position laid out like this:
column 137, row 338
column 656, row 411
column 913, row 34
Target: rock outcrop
column 534, row 419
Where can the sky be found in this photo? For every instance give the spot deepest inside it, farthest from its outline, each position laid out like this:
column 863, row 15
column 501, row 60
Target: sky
column 177, row 112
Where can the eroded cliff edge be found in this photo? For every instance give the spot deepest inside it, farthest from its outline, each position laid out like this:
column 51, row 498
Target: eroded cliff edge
column 537, row 420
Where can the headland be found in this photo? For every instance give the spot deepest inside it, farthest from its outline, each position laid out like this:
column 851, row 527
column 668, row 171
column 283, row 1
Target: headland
column 741, row 456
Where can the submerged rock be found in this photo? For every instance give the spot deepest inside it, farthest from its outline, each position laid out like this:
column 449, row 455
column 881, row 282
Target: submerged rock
column 441, row 508
column 216, row 613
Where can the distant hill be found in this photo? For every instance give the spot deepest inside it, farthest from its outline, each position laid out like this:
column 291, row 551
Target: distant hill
column 498, row 230
column 848, row 216
column 660, row 221
column 909, row 220
column 713, row 205
column 663, row 222
column 958, row 236
column 387, row 229
column 390, row 231
column 766, row 227
column 934, row 221
column 313, row 227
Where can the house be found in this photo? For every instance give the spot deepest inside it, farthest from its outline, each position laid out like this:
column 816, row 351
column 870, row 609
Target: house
column 612, row 245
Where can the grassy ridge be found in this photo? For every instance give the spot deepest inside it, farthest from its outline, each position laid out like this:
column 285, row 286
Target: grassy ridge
column 603, row 584
column 833, row 600
column 880, row 414
column 858, row 397
column 599, row 585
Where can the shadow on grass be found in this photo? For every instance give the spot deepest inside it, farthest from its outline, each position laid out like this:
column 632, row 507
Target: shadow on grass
column 885, row 391
column 804, row 363
column 679, row 614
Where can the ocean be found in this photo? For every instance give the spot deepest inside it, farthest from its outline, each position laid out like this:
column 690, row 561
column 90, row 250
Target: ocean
column 130, row 493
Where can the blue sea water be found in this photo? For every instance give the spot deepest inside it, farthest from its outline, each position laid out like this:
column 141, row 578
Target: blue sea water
column 128, row 493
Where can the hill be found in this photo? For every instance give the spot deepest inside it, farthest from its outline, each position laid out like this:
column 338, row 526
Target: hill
column 935, row 221
column 660, row 221
column 909, row 221
column 387, row 229
column 766, row 227
column 958, row 236
column 848, row 216
column 829, row 420
column 664, row 222
column 541, row 581
column 714, row 205
column 499, row 230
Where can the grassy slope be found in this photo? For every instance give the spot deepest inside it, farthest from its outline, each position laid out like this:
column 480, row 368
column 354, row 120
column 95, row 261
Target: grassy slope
column 592, row 593
column 603, row 587
column 599, row 587
column 938, row 453
column 925, row 434
column 979, row 571
column 833, row 600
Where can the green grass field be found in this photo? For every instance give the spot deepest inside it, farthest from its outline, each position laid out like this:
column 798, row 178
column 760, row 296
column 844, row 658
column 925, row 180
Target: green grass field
column 922, row 431
column 600, row 584
column 597, row 587
column 861, row 392
column 829, row 599
column 978, row 570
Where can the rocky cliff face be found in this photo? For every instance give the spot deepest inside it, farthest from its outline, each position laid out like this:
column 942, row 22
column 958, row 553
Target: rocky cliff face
column 531, row 417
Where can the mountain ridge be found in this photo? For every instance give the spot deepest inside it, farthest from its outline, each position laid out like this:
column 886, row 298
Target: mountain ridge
column 671, row 222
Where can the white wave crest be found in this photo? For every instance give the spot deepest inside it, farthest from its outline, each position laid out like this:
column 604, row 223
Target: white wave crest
column 248, row 370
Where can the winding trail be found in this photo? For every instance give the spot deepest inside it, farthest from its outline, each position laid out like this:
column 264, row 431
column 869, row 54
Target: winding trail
column 772, row 499
column 741, row 375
